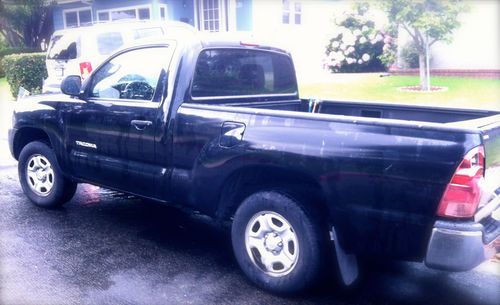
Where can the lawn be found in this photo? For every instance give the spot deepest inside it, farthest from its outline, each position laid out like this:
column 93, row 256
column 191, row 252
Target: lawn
column 4, row 90
column 462, row 92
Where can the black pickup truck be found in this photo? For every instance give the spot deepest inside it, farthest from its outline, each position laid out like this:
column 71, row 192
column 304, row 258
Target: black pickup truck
column 217, row 126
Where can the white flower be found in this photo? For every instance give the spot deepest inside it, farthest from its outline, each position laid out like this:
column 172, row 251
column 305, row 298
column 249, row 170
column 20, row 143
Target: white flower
column 365, row 57
column 364, row 28
column 343, row 47
column 349, row 39
column 350, row 60
column 362, row 40
column 340, row 56
column 335, row 44
column 350, row 50
column 360, row 61
column 379, row 37
column 357, row 32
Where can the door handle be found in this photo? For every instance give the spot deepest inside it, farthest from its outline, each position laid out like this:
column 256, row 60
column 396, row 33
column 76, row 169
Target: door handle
column 140, row 124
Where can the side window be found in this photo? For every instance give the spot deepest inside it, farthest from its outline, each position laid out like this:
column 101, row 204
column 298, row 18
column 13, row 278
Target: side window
column 132, row 75
column 236, row 72
column 109, row 42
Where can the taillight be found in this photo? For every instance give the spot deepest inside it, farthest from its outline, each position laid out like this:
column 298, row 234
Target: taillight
column 463, row 193
column 85, row 69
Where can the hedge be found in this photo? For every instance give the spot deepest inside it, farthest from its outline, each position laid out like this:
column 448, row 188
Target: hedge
column 25, row 70
column 9, row 51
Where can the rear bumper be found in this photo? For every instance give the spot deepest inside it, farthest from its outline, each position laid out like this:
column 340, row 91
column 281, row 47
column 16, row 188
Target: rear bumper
column 461, row 246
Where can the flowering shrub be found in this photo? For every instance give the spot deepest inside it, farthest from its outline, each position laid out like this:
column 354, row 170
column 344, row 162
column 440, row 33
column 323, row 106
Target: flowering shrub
column 358, row 46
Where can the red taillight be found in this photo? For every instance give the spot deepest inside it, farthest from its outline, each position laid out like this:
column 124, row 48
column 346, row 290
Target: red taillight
column 463, row 193
column 85, row 69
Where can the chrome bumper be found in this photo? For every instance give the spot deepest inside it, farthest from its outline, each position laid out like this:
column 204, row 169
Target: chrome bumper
column 460, row 246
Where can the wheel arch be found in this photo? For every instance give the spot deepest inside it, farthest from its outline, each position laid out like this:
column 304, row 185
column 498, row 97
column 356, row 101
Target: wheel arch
column 246, row 181
column 27, row 135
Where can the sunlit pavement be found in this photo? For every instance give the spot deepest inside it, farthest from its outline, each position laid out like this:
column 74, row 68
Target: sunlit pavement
column 105, row 247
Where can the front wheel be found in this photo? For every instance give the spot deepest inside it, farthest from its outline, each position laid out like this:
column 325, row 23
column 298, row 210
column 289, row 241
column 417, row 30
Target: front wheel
column 41, row 178
column 276, row 242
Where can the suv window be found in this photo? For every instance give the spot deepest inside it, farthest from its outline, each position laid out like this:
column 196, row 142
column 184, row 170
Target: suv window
column 63, row 47
column 109, row 42
column 132, row 75
column 236, row 72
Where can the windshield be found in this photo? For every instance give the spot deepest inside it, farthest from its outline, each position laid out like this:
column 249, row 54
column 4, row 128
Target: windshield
column 63, row 47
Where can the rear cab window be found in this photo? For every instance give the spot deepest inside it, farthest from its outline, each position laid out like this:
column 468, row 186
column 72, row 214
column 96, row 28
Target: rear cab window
column 242, row 72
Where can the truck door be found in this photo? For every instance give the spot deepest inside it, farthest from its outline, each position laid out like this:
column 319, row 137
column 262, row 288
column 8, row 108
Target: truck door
column 111, row 136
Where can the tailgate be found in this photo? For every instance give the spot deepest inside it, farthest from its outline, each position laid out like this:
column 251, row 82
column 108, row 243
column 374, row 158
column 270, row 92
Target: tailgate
column 491, row 139
column 488, row 213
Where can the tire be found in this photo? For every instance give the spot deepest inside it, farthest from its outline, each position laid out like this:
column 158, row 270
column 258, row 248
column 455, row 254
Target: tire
column 41, row 177
column 277, row 243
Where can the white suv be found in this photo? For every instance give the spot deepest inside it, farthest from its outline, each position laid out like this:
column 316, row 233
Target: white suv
column 77, row 51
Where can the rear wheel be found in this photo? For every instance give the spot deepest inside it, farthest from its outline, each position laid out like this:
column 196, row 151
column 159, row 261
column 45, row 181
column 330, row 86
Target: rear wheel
column 276, row 242
column 41, row 178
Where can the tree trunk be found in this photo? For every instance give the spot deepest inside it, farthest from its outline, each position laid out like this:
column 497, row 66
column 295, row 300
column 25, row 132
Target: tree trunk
column 424, row 82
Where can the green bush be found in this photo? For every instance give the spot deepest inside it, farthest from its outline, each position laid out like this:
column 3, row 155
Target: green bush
column 25, row 70
column 8, row 51
column 409, row 55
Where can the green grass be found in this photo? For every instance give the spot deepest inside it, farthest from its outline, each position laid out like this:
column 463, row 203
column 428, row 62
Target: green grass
column 4, row 90
column 462, row 92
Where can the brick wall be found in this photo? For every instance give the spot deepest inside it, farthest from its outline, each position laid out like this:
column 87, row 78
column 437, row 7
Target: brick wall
column 472, row 73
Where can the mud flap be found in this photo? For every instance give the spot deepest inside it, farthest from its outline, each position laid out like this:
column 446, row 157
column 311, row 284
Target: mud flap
column 347, row 263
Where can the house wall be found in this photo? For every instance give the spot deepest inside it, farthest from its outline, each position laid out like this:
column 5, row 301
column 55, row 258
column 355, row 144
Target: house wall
column 306, row 41
column 176, row 9
column 475, row 45
column 58, row 16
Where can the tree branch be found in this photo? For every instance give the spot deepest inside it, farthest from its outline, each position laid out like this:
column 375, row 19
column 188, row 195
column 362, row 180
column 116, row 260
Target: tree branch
column 432, row 42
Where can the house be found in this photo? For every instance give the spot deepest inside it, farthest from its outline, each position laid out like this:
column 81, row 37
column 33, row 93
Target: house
column 206, row 15
column 299, row 26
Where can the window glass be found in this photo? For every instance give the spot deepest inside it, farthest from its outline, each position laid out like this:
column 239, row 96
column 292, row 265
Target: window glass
column 211, row 19
column 124, row 14
column 163, row 14
column 132, row 75
column 144, row 14
column 298, row 13
column 147, row 33
column 63, row 47
column 103, row 16
column 85, row 17
column 234, row 72
column 71, row 19
column 286, row 11
column 109, row 42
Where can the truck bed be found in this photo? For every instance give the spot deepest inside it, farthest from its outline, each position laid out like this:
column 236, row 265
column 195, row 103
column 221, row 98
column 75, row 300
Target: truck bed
column 429, row 114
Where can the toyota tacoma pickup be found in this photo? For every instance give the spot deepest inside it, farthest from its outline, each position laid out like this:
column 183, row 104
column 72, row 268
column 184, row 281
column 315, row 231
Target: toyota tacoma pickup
column 217, row 126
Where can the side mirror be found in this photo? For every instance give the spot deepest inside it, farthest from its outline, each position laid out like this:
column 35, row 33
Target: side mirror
column 71, row 85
